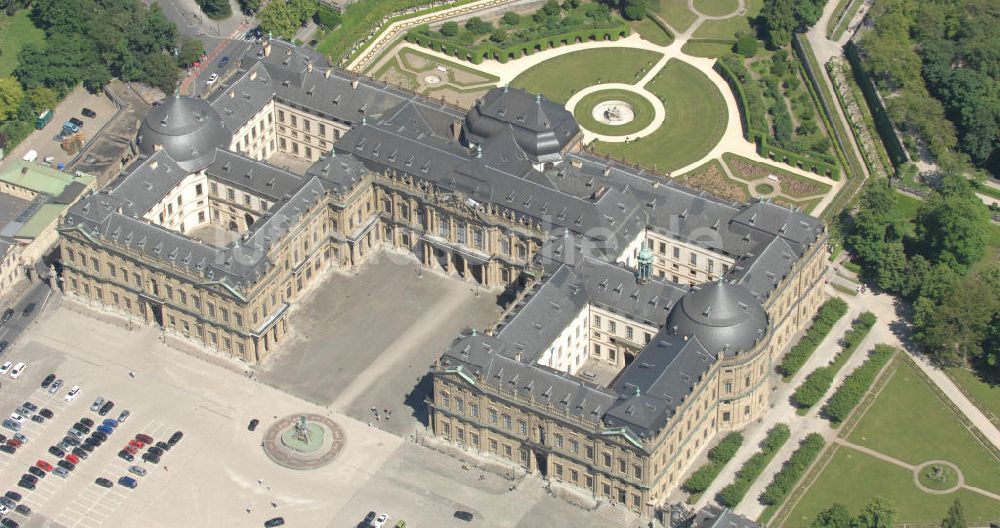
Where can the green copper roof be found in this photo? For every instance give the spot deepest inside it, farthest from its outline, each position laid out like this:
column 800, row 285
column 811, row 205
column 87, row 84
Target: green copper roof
column 39, row 178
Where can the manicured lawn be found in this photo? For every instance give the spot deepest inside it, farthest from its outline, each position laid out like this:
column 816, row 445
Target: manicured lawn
column 15, row 33
column 675, row 12
column 716, row 7
column 559, row 78
column 905, row 208
column 728, row 28
column 357, row 22
column 985, row 395
column 418, row 61
column 648, row 30
column 853, row 478
column 695, row 121
column 792, row 185
column 585, row 107
column 701, row 48
column 910, row 422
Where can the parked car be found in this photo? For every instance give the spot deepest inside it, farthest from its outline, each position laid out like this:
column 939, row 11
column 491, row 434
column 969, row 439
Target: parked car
column 30, row 406
column 87, row 421
column 76, row 122
column 14, row 442
column 18, row 370
column 123, row 416
column 212, row 79
column 13, row 495
column 48, row 381
column 81, row 427
column 9, row 449
column 23, row 509
column 3, row 346
column 151, row 458
column 105, row 429
column 5, row 368
column 155, row 451
column 128, row 482
column 138, row 470
column 223, row 62
column 38, row 418
column 174, row 438
column 16, row 417
column 56, row 452
column 56, row 385
column 131, row 449
column 76, row 433
column 71, row 440
column 464, row 515
column 144, row 438
column 103, row 437
column 126, row 456
column 136, row 444
column 163, row 446
column 72, row 394
column 72, row 459
column 36, row 472
column 7, row 315
column 106, row 408
column 26, row 484
column 61, row 471
column 80, row 453
column 88, row 113
column 253, row 425
column 12, row 425
column 7, row 522
column 87, row 447
column 69, row 466
column 28, row 310
column 272, row 523
column 96, row 406
column 110, row 423
column 380, row 521
column 46, row 413
column 103, row 482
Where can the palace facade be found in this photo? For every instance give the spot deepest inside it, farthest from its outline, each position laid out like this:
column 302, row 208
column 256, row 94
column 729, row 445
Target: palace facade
column 646, row 316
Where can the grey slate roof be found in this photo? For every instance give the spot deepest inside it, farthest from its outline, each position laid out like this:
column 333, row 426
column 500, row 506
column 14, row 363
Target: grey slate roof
column 726, row 317
column 712, row 516
column 189, row 129
column 540, row 127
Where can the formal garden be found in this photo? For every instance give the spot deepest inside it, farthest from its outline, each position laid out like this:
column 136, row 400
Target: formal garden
column 435, row 77
column 614, row 112
column 924, row 458
column 561, row 77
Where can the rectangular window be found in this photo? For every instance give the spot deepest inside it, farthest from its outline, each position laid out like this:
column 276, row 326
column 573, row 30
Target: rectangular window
column 559, row 440
column 628, row 333
column 574, row 446
column 677, row 252
column 597, row 321
column 445, row 400
column 492, row 416
column 231, row 194
column 522, row 428
column 460, row 405
column 621, row 465
column 493, row 446
column 606, row 459
column 506, row 422
column 474, row 409
column 197, row 190
column 711, row 265
column 637, row 471
column 694, row 259
column 612, row 327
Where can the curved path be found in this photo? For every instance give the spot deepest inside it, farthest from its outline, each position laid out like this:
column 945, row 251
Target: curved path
column 741, row 7
column 659, row 112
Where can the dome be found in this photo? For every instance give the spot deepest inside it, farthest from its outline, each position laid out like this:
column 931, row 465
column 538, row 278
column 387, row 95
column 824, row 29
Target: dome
column 540, row 127
column 725, row 317
column 187, row 128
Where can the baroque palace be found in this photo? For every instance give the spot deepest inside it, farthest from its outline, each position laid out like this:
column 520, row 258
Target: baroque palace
column 644, row 317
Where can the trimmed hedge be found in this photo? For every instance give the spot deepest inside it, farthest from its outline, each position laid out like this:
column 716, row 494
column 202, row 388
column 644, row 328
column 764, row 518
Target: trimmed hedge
column 818, row 382
column 856, row 384
column 732, row 494
column 883, row 124
column 790, row 473
column 718, row 457
column 831, row 312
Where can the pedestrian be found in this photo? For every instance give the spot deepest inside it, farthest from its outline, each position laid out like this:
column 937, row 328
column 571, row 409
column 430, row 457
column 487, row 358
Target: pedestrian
column 165, row 468
column 369, row 424
column 260, row 482
column 248, row 509
column 274, row 504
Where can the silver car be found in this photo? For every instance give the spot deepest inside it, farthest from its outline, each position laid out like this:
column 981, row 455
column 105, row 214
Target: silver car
column 12, row 425
column 96, row 406
column 61, row 471
column 138, row 470
column 56, row 385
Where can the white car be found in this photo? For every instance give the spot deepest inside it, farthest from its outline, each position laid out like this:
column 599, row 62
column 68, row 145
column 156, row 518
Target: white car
column 4, row 510
column 72, row 394
column 380, row 521
column 17, row 418
column 5, row 368
column 18, row 370
column 212, row 78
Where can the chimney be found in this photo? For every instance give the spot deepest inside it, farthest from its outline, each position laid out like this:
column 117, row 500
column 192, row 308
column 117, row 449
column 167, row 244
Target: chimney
column 309, row 67
column 517, row 356
column 153, row 165
column 354, row 84
column 253, row 75
column 456, row 129
column 327, row 73
column 232, row 93
column 267, row 48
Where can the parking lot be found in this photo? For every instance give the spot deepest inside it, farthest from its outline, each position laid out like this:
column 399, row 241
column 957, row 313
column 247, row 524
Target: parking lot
column 218, row 473
column 44, row 141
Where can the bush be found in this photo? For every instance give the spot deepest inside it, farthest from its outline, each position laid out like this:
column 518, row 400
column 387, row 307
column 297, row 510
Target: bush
column 747, row 46
column 786, row 478
column 820, row 380
column 215, row 9
column 477, row 26
column 326, row 17
column 511, row 18
column 718, row 456
column 856, row 384
column 831, row 312
column 499, row 35
column 449, row 29
column 732, row 494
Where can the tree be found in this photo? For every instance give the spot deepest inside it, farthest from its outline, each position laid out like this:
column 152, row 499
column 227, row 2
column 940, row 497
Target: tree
column 877, row 514
column 955, row 517
column 215, row 9
column 477, row 26
column 551, row 8
column 779, row 22
column 874, row 227
column 449, row 29
column 161, row 71
column 891, row 269
column 279, row 19
column 836, row 516
column 511, row 18
column 954, row 330
column 42, row 98
column 746, row 46
column 11, row 96
column 953, row 223
column 633, row 9
column 499, row 35
column 191, row 50
column 250, row 7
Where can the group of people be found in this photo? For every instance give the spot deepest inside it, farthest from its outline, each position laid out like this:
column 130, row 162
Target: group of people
column 385, row 413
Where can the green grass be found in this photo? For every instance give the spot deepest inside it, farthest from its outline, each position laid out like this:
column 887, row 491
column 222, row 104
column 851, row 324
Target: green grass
column 695, row 121
column 905, row 208
column 648, row 30
column 644, row 112
column 560, row 77
column 982, row 393
column 16, row 32
column 716, row 7
column 846, row 21
column 357, row 21
column 909, row 422
column 450, row 65
column 729, row 27
column 853, row 478
column 787, row 178
column 675, row 12
column 706, row 48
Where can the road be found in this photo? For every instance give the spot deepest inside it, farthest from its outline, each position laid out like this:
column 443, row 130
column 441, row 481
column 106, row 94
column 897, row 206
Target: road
column 37, row 293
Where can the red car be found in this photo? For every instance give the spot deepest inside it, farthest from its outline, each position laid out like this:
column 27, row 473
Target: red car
column 44, row 465
column 144, row 438
column 73, row 459
column 14, row 442
column 136, row 444
column 131, row 449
